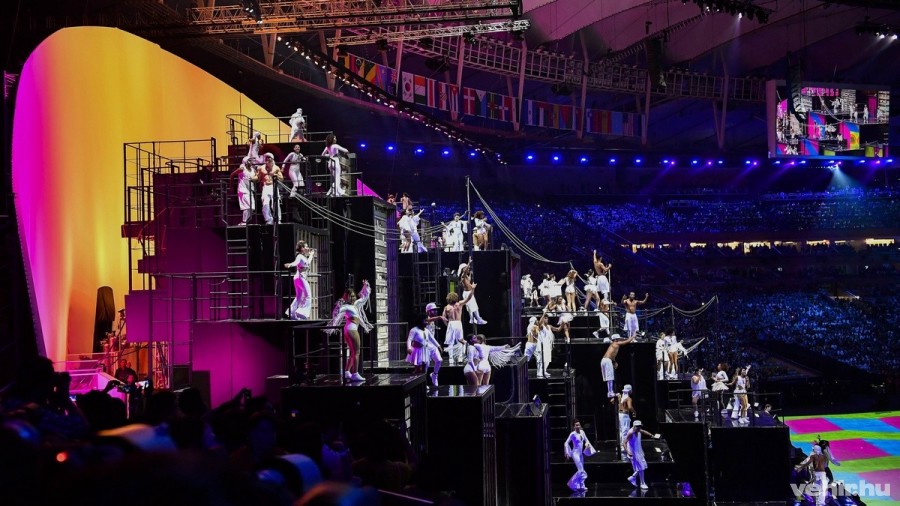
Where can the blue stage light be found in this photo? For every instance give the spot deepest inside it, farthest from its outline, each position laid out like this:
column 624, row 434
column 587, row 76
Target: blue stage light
column 420, row 151
column 445, row 153
column 390, row 147
column 583, row 160
column 529, row 157
column 555, row 158
column 363, row 145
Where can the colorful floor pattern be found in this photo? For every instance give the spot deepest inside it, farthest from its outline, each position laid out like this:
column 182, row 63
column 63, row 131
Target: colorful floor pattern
column 866, row 444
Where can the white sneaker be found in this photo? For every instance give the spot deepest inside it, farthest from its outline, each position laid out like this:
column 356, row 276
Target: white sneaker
column 596, row 334
column 357, row 377
column 347, row 375
column 696, row 414
column 546, row 374
column 632, row 480
column 434, row 379
column 644, row 486
column 481, row 322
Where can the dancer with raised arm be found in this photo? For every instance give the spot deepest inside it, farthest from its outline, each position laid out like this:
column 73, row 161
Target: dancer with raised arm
column 456, row 231
column 350, row 310
column 422, row 348
column 454, row 342
column 293, row 162
column 247, row 175
column 720, row 384
column 631, row 319
column 333, row 151
column 576, row 447
column 298, row 125
column 498, row 356
column 571, row 296
column 636, row 453
column 601, row 270
column 608, row 363
column 253, row 145
column 413, row 224
column 301, row 308
column 590, row 290
column 559, row 308
column 464, row 272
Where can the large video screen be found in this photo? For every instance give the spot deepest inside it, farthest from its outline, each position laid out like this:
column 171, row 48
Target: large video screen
column 828, row 120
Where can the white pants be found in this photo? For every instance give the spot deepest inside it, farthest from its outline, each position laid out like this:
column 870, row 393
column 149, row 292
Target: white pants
column 451, row 341
column 631, row 324
column 268, row 195
column 577, row 480
column 335, row 166
column 534, row 350
column 417, row 241
column 608, row 370
column 624, row 425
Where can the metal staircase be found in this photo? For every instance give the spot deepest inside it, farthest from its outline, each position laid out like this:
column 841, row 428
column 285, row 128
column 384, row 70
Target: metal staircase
column 561, row 405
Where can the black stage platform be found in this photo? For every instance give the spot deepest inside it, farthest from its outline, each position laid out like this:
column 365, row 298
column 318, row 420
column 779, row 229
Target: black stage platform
column 611, row 493
column 605, row 466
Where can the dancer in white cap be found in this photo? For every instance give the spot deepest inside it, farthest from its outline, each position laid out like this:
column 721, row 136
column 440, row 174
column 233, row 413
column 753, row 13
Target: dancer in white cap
column 465, row 278
column 608, row 363
column 298, row 125
column 636, row 453
column 576, row 447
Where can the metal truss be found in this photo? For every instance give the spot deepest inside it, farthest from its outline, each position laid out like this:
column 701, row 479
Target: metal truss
column 307, row 15
column 503, row 58
column 394, row 35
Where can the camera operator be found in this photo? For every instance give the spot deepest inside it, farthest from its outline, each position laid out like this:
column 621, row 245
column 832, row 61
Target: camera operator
column 42, row 395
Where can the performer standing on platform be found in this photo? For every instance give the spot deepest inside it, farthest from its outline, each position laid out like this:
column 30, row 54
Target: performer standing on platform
column 626, row 413
column 569, row 281
column 698, row 390
column 499, row 356
column 608, row 363
column 301, row 308
column 720, row 384
column 454, row 341
column 333, row 150
column 631, row 319
column 292, row 161
column 481, row 231
column 662, row 356
column 526, row 285
column 544, row 289
column 576, row 447
column 602, row 281
column 422, row 348
column 351, row 310
column 465, row 278
column 413, row 226
column 636, row 453
column 298, row 125
column 455, row 233
column 741, row 383
column 246, row 177
column 473, row 359
column 590, row 290
column 673, row 347
column 558, row 307
column 270, row 172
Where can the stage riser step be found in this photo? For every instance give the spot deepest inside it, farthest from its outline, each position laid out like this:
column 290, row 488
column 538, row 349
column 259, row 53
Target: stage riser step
column 611, row 472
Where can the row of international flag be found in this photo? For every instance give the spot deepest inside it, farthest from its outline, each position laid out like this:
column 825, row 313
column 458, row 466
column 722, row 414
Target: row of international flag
column 431, row 93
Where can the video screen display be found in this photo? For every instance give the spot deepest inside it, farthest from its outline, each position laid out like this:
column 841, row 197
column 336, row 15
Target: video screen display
column 829, row 121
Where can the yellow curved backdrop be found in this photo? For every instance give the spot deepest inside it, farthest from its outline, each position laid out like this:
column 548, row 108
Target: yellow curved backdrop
column 82, row 94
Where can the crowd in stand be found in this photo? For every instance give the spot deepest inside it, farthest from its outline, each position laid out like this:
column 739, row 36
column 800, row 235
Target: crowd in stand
column 56, row 450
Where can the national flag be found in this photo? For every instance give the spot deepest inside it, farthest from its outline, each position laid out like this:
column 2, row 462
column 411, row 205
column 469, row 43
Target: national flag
column 481, row 103
column 554, row 115
column 453, row 98
column 493, row 105
column 565, row 117
column 469, row 101
column 420, row 91
column 507, row 108
column 407, row 88
column 432, row 99
column 617, row 124
column 385, row 77
column 442, row 101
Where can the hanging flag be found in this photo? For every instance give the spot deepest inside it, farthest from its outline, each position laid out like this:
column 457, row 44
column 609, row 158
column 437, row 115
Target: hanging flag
column 469, row 101
column 407, row 87
column 565, row 117
column 507, row 108
column 481, row 103
column 419, row 90
column 616, row 123
column 442, row 101
column 493, row 105
column 453, row 98
column 432, row 99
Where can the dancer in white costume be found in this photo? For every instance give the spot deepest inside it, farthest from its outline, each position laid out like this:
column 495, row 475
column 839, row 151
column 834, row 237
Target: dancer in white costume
column 405, row 226
column 544, row 289
column 603, row 316
column 298, row 125
column 481, row 231
column 456, row 231
column 571, row 296
column 333, row 151
column 698, row 390
column 636, row 453
column 626, row 414
column 526, row 284
column 350, row 310
column 293, row 161
column 270, row 173
column 819, row 463
column 421, row 347
column 590, row 290
column 741, row 383
column 498, row 356
column 413, row 227
column 608, row 363
column 301, row 308
column 558, row 307
column 253, row 145
column 662, row 356
column 720, row 384
column 454, row 341
column 631, row 319
column 473, row 359
column 465, row 279
column 601, row 270
column 576, row 447
column 246, row 176
column 673, row 347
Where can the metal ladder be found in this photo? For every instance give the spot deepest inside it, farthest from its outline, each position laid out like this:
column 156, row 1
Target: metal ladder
column 426, row 270
column 233, row 295
column 561, row 407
